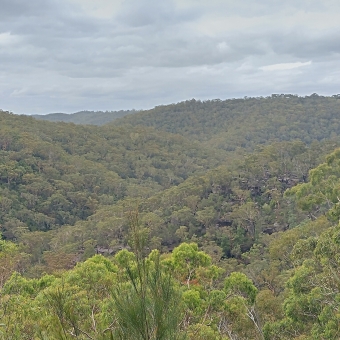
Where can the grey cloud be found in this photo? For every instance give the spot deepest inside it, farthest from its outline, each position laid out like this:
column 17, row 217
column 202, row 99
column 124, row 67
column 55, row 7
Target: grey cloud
column 20, row 8
column 251, row 8
column 153, row 13
column 154, row 52
column 304, row 45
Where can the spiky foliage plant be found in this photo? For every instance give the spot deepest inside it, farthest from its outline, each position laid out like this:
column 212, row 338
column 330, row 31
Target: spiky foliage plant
column 147, row 304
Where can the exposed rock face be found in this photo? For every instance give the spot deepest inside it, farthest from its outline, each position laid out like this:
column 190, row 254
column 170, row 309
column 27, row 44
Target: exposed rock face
column 275, row 228
column 110, row 251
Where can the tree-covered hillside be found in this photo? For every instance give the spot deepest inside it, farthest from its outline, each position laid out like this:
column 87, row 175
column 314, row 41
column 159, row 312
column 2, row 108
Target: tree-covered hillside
column 230, row 124
column 284, row 287
column 247, row 122
column 66, row 189
column 130, row 231
column 55, row 173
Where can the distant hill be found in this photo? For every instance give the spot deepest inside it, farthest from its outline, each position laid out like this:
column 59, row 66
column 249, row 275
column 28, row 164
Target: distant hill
column 54, row 173
column 233, row 124
column 244, row 123
column 85, row 117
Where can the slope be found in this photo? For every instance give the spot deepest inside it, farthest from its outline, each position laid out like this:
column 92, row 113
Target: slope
column 245, row 123
column 53, row 174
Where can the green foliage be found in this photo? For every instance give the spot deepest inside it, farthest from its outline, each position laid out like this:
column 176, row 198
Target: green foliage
column 225, row 245
column 321, row 193
column 11, row 260
column 147, row 303
column 239, row 284
column 245, row 123
column 56, row 174
column 312, row 297
column 70, row 185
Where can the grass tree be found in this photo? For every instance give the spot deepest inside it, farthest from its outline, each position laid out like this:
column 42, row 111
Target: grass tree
column 147, row 303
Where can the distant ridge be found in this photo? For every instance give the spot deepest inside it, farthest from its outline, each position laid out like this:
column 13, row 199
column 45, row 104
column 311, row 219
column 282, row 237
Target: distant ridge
column 245, row 122
column 230, row 124
column 85, row 117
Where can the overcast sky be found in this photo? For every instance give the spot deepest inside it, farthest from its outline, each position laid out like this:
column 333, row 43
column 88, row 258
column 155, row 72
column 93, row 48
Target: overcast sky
column 71, row 55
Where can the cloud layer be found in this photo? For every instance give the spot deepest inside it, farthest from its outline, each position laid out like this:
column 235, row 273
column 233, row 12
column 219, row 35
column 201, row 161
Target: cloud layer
column 69, row 55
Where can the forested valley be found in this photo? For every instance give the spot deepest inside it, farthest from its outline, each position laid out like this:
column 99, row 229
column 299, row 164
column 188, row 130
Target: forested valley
column 197, row 220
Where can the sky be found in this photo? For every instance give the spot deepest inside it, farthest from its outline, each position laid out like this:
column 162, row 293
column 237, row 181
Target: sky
column 72, row 55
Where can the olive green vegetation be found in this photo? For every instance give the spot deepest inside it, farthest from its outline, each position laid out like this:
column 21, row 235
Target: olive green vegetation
column 52, row 174
column 245, row 123
column 233, row 123
column 197, row 242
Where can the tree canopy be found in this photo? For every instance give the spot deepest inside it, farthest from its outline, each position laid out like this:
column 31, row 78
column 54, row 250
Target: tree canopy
column 198, row 220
